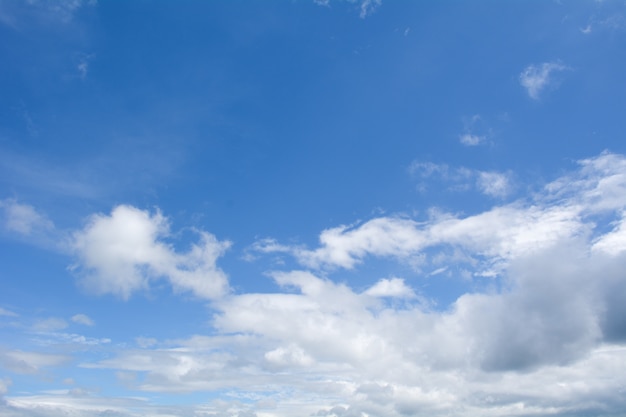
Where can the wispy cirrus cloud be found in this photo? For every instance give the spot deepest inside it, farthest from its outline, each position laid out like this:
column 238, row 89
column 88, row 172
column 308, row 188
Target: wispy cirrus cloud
column 491, row 183
column 16, row 14
column 366, row 7
column 24, row 219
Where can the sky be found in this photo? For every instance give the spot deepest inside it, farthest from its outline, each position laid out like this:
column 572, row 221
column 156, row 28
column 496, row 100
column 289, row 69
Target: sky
column 326, row 208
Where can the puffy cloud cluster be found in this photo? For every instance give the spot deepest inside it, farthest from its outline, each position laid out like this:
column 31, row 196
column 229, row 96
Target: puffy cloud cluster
column 121, row 253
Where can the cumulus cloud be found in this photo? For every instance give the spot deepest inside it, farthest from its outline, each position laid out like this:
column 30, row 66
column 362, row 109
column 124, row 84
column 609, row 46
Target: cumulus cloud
column 542, row 342
column 123, row 252
column 547, row 338
column 564, row 209
column 536, row 78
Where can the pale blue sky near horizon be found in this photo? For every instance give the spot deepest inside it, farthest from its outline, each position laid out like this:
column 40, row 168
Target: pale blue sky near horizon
column 334, row 208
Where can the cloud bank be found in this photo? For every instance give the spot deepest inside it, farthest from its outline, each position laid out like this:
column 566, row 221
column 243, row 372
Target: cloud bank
column 547, row 337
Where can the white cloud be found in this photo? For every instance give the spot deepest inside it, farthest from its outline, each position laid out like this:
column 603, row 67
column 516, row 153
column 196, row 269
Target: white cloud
column 82, row 319
column 17, row 14
column 469, row 139
column 328, row 350
column 50, row 324
column 536, row 78
column 492, row 238
column 23, row 218
column 82, row 64
column 490, row 183
column 366, row 7
column 4, row 386
column 23, row 362
column 475, row 131
column 546, row 339
column 7, row 313
column 494, row 184
column 392, row 287
column 121, row 253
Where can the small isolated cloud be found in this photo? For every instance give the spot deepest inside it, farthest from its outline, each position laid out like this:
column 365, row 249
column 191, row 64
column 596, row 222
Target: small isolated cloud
column 392, row 287
column 23, row 218
column 368, row 7
column 475, row 131
column 469, row 139
column 536, row 78
column 123, row 252
column 82, row 319
column 82, row 64
column 494, row 184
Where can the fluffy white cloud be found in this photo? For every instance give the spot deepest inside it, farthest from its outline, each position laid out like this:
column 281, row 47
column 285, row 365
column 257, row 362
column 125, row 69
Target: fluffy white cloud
column 536, row 78
column 121, row 253
column 544, row 344
column 565, row 209
column 547, row 338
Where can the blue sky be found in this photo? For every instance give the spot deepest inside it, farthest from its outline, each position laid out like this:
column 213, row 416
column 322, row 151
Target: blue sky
column 333, row 208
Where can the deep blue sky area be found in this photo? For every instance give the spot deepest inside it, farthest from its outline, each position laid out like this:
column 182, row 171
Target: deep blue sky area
column 339, row 208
